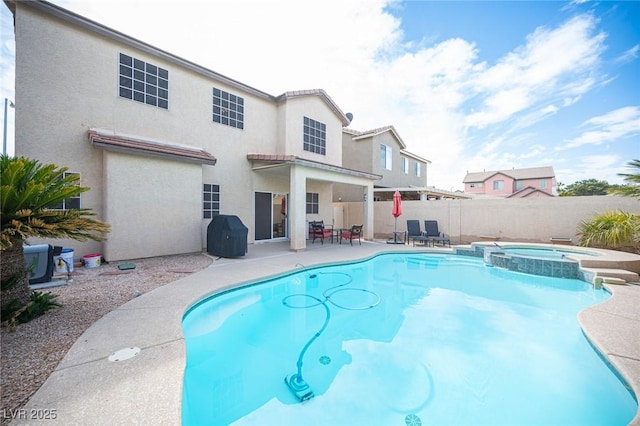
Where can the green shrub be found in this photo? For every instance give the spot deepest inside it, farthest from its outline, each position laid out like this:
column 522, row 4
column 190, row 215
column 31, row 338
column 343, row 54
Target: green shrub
column 38, row 305
column 612, row 230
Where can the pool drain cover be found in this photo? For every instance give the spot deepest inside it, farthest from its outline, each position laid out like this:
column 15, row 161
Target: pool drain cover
column 124, row 354
column 324, row 360
column 412, row 420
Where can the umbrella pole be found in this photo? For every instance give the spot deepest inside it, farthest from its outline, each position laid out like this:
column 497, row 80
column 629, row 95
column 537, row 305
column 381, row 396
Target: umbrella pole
column 395, row 231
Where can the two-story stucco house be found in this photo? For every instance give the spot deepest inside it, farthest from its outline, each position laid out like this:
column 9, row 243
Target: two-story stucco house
column 166, row 144
column 382, row 152
column 517, row 183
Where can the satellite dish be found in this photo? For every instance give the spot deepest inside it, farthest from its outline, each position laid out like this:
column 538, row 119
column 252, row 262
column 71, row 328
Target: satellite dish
column 349, row 116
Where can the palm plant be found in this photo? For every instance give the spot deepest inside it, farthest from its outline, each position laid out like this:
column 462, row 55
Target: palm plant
column 616, row 230
column 28, row 190
column 633, row 180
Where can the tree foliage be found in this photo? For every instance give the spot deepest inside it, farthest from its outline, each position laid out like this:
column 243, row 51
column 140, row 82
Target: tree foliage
column 28, row 189
column 585, row 187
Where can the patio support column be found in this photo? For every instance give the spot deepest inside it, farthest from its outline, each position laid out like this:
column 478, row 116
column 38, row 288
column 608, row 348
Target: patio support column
column 297, row 208
column 368, row 212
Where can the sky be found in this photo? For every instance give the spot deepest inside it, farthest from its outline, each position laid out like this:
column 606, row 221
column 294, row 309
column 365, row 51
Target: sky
column 468, row 85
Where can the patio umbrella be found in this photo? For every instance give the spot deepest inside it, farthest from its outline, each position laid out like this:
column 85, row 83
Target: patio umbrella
column 396, row 211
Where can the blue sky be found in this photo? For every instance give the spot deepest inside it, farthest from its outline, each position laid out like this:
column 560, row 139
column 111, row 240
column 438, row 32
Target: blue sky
column 470, row 86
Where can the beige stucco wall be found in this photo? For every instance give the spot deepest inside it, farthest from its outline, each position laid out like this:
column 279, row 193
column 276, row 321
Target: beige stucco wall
column 160, row 196
column 313, row 107
column 523, row 219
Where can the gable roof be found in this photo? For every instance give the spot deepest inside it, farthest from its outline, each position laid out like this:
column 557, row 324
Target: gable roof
column 517, row 174
column 527, row 191
column 375, row 132
column 322, row 95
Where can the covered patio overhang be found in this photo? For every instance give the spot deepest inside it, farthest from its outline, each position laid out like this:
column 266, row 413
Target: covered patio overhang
column 299, row 172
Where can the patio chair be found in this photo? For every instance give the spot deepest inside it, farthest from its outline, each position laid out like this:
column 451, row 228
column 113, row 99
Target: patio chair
column 318, row 230
column 351, row 234
column 414, row 233
column 433, row 234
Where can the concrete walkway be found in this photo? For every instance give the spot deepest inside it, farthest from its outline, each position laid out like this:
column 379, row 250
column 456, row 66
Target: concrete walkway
column 88, row 389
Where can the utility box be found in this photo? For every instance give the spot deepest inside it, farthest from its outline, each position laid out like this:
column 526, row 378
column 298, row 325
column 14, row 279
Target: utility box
column 39, row 262
column 227, row 236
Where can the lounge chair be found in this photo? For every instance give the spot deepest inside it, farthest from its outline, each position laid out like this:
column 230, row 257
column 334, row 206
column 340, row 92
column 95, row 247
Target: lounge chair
column 351, row 234
column 318, row 231
column 414, row 232
column 434, row 235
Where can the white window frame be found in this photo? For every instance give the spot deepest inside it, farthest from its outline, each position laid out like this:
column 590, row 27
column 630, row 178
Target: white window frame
column 228, row 109
column 210, row 200
column 386, row 157
column 314, row 136
column 418, row 169
column 143, row 82
column 313, row 202
column 405, row 165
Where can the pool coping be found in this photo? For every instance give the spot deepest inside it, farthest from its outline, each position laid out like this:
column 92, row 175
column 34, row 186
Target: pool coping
column 87, row 388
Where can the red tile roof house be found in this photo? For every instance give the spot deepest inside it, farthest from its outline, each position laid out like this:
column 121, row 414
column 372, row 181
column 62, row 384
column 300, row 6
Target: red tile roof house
column 514, row 183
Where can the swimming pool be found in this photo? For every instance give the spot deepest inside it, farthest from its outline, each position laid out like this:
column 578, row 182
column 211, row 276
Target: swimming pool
column 400, row 339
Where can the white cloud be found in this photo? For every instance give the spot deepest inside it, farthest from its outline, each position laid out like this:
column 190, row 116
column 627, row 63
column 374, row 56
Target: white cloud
column 617, row 124
column 553, row 64
column 629, row 55
column 600, row 167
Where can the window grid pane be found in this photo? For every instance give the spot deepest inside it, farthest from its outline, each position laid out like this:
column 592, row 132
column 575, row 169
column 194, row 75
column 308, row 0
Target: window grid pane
column 228, row 109
column 210, row 200
column 149, row 82
column 313, row 202
column 314, row 136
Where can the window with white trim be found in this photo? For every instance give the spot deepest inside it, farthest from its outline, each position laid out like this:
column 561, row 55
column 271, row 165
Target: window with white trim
column 385, row 157
column 228, row 109
column 475, row 185
column 418, row 169
column 405, row 165
column 313, row 202
column 519, row 185
column 210, row 200
column 314, row 136
column 68, row 203
column 143, row 82
column 543, row 184
column 498, row 184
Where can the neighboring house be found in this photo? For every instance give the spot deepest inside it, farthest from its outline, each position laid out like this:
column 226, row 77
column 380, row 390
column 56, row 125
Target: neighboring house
column 166, row 144
column 516, row 183
column 382, row 152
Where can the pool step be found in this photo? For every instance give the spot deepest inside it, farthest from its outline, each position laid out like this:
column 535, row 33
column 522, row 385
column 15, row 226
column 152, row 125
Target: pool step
column 627, row 276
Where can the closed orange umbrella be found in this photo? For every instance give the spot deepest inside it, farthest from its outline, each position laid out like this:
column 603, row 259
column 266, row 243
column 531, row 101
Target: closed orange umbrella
column 397, row 205
column 396, row 211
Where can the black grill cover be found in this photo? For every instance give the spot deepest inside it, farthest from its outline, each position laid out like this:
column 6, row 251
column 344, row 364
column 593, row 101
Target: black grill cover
column 227, row 236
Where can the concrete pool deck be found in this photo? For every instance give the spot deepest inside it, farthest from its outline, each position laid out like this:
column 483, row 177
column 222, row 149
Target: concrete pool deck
column 87, row 388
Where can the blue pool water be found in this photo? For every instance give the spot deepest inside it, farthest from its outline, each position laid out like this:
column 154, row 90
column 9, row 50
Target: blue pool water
column 400, row 339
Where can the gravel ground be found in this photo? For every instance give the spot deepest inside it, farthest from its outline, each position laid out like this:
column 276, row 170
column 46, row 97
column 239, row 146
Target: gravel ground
column 30, row 352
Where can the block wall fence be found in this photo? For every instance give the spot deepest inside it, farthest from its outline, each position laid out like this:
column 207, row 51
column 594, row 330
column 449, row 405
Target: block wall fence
column 534, row 220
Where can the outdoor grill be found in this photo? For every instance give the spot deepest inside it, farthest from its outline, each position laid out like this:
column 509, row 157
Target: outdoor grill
column 227, row 236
